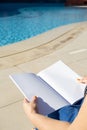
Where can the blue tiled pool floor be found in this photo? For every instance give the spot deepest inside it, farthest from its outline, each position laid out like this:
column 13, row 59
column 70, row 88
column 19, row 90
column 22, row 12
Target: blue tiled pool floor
column 20, row 23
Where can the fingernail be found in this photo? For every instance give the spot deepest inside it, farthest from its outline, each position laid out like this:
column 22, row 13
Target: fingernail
column 35, row 129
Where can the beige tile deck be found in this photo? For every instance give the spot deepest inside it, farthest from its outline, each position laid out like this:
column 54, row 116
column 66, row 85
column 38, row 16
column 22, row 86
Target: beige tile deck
column 8, row 92
column 72, row 53
column 12, row 117
column 67, row 43
column 35, row 41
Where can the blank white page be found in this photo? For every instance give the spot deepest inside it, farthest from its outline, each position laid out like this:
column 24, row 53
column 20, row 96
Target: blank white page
column 30, row 85
column 63, row 80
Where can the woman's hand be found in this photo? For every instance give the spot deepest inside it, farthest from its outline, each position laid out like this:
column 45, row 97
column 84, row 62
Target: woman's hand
column 83, row 80
column 30, row 107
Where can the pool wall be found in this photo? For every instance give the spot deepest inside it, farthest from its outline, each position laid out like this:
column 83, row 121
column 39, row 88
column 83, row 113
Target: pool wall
column 34, row 1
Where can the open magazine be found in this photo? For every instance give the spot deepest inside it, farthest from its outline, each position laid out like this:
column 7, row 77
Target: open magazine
column 55, row 87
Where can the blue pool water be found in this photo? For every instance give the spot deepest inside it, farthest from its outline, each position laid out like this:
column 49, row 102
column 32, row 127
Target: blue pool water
column 22, row 22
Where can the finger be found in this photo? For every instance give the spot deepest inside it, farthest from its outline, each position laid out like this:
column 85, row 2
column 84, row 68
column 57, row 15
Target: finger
column 79, row 80
column 82, row 80
column 34, row 129
column 34, row 99
column 25, row 100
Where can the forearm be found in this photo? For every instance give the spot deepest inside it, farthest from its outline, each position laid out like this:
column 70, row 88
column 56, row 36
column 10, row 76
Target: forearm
column 40, row 121
column 45, row 123
column 80, row 123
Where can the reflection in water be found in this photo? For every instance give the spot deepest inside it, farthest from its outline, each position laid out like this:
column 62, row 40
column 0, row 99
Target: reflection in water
column 8, row 13
column 19, row 22
column 32, row 14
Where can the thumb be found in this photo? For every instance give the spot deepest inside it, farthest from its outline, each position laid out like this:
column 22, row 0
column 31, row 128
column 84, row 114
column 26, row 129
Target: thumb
column 34, row 99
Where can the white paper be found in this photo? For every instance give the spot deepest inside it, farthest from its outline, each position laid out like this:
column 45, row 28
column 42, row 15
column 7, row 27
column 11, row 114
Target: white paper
column 30, row 85
column 64, row 81
column 55, row 87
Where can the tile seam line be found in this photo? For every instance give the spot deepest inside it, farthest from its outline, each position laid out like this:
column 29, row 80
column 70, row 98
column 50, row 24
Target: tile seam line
column 39, row 45
column 16, row 65
column 4, row 106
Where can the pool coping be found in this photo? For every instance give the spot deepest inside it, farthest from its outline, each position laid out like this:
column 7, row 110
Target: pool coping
column 39, row 46
column 36, row 41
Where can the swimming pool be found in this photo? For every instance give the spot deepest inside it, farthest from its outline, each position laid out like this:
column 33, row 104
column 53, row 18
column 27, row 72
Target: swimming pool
column 18, row 22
